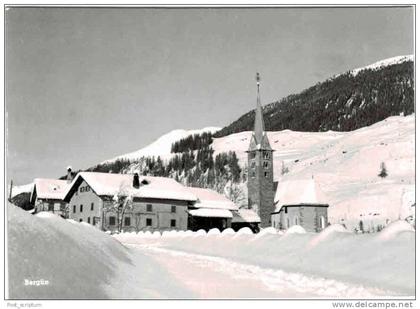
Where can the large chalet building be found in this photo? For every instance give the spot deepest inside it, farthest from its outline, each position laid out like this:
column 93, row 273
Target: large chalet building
column 127, row 202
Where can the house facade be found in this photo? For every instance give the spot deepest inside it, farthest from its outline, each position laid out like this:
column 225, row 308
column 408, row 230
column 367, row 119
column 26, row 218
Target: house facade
column 300, row 202
column 113, row 202
column 48, row 195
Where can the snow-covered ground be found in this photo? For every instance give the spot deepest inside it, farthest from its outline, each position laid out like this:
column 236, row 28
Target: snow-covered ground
column 346, row 166
column 334, row 263
column 78, row 262
column 67, row 259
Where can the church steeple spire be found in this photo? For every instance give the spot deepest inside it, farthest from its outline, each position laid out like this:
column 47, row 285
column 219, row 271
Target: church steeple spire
column 259, row 120
column 259, row 140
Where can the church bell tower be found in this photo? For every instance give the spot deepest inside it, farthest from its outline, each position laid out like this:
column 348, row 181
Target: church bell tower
column 260, row 168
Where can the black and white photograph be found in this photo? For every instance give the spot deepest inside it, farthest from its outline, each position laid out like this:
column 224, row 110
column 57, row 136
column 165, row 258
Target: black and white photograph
column 210, row 152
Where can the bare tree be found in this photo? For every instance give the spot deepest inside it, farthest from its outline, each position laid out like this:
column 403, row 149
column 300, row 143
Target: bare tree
column 121, row 202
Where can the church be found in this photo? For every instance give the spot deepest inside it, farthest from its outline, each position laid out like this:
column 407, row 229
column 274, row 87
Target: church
column 260, row 168
column 309, row 213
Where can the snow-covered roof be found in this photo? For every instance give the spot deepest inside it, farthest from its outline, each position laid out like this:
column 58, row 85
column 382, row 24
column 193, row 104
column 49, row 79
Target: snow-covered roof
column 210, row 213
column 108, row 184
column 296, row 192
column 245, row 215
column 208, row 198
column 50, row 188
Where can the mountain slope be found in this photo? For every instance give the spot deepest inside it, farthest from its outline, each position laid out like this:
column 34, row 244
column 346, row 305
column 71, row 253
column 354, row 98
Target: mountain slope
column 162, row 146
column 346, row 102
column 346, row 165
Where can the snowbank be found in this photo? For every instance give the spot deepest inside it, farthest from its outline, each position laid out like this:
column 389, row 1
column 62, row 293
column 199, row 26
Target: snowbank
column 334, row 254
column 394, row 230
column 295, row 229
column 75, row 260
column 63, row 259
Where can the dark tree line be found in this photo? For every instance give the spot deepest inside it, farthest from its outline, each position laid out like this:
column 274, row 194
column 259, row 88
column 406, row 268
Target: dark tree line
column 115, row 167
column 343, row 103
column 197, row 168
column 192, row 142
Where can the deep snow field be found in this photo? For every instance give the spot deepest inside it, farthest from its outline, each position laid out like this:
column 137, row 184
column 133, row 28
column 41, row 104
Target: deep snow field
column 81, row 262
column 384, row 261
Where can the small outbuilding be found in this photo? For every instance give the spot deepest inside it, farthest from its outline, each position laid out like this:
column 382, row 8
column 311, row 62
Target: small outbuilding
column 246, row 218
column 300, row 202
column 212, row 210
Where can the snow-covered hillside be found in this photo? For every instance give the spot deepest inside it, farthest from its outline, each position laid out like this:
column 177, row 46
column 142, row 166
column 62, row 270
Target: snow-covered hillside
column 346, row 166
column 383, row 63
column 16, row 190
column 162, row 146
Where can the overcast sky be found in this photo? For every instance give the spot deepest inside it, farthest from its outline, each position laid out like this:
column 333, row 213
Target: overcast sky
column 85, row 85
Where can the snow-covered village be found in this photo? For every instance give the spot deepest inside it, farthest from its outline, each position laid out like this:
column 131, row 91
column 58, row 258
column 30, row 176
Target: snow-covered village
column 190, row 154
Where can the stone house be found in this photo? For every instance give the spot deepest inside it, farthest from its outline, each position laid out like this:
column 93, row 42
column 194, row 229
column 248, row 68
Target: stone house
column 300, row 202
column 155, row 203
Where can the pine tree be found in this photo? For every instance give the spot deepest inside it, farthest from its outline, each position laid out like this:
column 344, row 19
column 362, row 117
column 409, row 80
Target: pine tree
column 383, row 173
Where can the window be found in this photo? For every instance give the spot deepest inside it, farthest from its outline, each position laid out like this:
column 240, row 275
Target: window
column 74, row 208
column 252, row 164
column 266, row 174
column 91, row 206
column 127, row 221
column 88, row 219
column 253, row 155
column 111, row 220
column 81, row 208
column 149, row 207
column 266, row 155
column 253, row 174
column 173, row 209
column 80, row 220
column 173, row 223
column 266, row 165
column 50, row 206
column 148, row 222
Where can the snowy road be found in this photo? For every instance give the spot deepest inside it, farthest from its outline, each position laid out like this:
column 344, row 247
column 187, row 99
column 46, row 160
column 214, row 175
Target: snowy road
column 203, row 276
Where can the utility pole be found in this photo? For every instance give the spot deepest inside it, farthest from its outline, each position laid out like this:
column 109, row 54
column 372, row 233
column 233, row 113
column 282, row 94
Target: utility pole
column 10, row 192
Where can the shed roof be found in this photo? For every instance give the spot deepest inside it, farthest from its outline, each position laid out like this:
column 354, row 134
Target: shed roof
column 245, row 215
column 208, row 198
column 299, row 192
column 45, row 188
column 210, row 213
column 109, row 184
